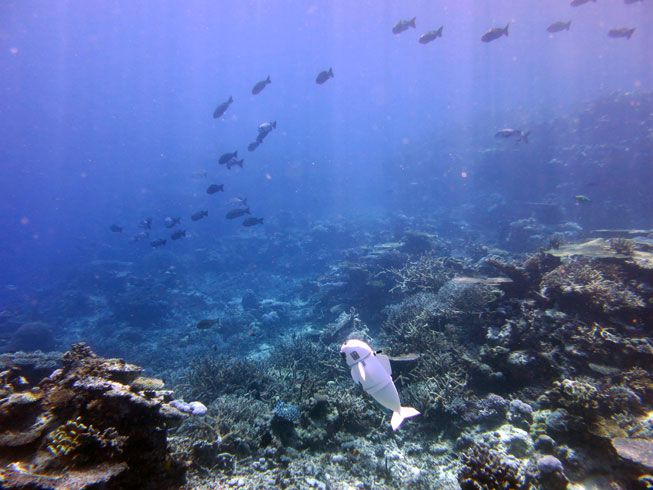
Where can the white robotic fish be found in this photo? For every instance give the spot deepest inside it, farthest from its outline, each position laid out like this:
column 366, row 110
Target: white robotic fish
column 374, row 374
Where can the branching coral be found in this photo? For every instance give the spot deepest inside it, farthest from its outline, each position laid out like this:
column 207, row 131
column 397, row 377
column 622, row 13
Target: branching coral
column 427, row 273
column 408, row 321
column 456, row 297
column 209, row 377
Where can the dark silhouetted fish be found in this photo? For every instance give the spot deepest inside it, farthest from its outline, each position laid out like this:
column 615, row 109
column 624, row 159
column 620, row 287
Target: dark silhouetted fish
column 578, row 3
column 222, row 108
column 159, row 242
column 558, row 27
column 213, row 188
column 621, row 32
column 146, row 224
column 430, row 36
column 233, row 162
column 253, row 145
column 169, row 222
column 582, row 199
column 265, row 129
column 495, row 33
column 116, row 228
column 199, row 215
column 323, row 76
column 403, row 25
column 227, row 156
column 253, row 221
column 261, row 85
column 178, row 234
column 516, row 134
column 237, row 213
column 204, row 324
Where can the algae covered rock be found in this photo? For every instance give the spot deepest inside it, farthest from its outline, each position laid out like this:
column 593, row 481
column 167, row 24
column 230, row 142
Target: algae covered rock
column 638, row 451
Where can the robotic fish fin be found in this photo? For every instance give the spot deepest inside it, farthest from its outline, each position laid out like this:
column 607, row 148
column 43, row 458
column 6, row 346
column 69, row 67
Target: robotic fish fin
column 399, row 416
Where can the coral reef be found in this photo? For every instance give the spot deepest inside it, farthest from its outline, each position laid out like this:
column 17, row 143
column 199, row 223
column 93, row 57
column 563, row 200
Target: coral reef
column 485, row 468
column 590, row 286
column 86, row 426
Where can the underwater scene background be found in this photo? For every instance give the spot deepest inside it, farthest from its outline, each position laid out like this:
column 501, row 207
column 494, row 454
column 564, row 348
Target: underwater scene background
column 201, row 202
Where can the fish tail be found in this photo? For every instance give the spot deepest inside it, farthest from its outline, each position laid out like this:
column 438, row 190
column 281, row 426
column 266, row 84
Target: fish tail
column 268, row 79
column 274, row 124
column 240, row 163
column 412, row 22
column 331, row 72
column 260, row 220
column 247, row 211
column 568, row 25
column 524, row 136
column 231, row 98
column 400, row 415
column 505, row 31
column 439, row 33
column 630, row 33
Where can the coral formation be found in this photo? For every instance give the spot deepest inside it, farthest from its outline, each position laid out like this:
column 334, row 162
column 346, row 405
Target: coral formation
column 484, row 468
column 86, row 426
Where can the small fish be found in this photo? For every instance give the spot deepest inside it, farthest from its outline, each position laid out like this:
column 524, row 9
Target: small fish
column 204, row 324
column 558, row 27
column 178, row 234
column 213, row 188
column 261, row 85
column 430, row 36
column 495, row 33
column 323, row 76
column 508, row 133
column 265, row 129
column 581, row 199
column 201, row 174
column 237, row 213
column 116, row 228
column 621, row 32
column 199, row 215
column 170, row 222
column 578, row 3
column 403, row 25
column 233, row 162
column 143, row 235
column 227, row 156
column 253, row 221
column 159, row 242
column 222, row 108
column 146, row 224
column 238, row 201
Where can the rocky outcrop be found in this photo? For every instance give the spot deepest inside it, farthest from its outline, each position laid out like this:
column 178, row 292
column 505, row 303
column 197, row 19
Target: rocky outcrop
column 91, row 424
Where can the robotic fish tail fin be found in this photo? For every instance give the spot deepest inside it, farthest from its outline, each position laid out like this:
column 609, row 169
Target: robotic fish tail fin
column 399, row 416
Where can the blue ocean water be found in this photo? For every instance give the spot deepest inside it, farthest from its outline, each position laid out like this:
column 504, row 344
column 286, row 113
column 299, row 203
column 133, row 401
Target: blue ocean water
column 106, row 108
column 106, row 119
